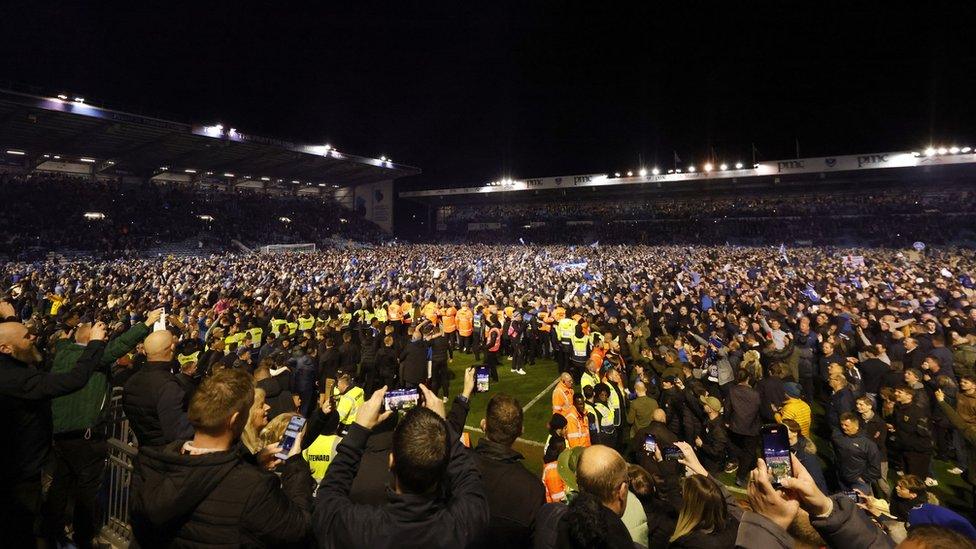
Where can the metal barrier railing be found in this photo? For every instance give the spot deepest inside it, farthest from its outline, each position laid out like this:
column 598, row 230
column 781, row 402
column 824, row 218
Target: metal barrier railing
column 122, row 450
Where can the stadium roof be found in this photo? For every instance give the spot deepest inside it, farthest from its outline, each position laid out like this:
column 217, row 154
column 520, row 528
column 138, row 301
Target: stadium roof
column 116, row 141
column 858, row 167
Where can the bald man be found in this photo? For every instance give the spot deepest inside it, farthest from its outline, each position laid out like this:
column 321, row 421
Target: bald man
column 153, row 398
column 601, row 475
column 562, row 395
column 25, row 405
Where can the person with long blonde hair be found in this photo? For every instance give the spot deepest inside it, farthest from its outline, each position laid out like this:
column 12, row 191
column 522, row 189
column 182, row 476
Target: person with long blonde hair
column 709, row 515
column 257, row 419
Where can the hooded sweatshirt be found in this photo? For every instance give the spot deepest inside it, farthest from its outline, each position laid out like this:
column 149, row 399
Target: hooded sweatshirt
column 217, row 499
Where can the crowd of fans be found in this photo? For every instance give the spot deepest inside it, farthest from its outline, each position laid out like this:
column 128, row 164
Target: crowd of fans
column 893, row 218
column 866, row 357
column 46, row 212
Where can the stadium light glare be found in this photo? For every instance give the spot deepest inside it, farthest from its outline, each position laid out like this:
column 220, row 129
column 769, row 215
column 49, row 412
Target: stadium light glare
column 284, row 220
column 163, row 168
column 930, row 151
column 954, row 150
column 916, row 154
column 670, row 171
column 228, row 174
column 642, row 172
column 189, row 171
column 630, row 174
column 15, row 152
column 62, row 97
column 943, row 150
column 295, row 181
column 691, row 169
column 88, row 160
column 616, row 174
column 382, row 159
column 738, row 165
column 678, row 170
column 708, row 167
column 79, row 99
column 334, row 186
column 755, row 166
column 265, row 179
column 966, row 149
column 205, row 217
column 321, row 184
column 655, row 171
column 723, row 167
column 47, row 156
column 94, row 215
column 57, row 157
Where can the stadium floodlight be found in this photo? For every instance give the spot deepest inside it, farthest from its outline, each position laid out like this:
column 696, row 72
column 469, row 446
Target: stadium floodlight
column 382, row 159
column 265, row 179
column 691, row 169
column 15, row 152
column 110, row 162
column 321, row 184
column 738, row 165
column 954, row 150
column 88, row 160
column 295, row 181
column 708, row 167
column 642, row 172
column 79, row 99
column 930, row 151
column 47, row 156
column 916, row 154
column 755, row 166
column 616, row 174
column 189, row 171
column 334, row 186
column 205, row 217
column 284, row 220
column 94, row 215
column 630, row 174
column 228, row 174
column 57, row 157
column 670, row 171
column 723, row 167
column 655, row 171
column 943, row 150
column 62, row 97
column 343, row 220
column 163, row 168
column 678, row 170
column 966, row 149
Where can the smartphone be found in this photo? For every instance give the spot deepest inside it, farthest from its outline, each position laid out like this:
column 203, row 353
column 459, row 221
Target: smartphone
column 160, row 324
column 776, row 452
column 481, row 379
column 650, row 444
column 855, row 497
column 673, row 453
column 291, row 433
column 401, row 399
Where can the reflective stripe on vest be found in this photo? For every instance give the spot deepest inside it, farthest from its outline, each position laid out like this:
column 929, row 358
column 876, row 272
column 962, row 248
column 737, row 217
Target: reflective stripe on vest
column 579, row 347
column 319, row 455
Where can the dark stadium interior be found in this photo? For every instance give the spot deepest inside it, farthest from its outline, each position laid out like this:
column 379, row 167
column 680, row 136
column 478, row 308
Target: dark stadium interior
column 517, row 275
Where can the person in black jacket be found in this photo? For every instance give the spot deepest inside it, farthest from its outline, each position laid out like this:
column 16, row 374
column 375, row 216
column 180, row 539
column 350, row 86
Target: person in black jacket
column 349, row 355
column 25, row 403
column 440, row 355
column 911, row 432
column 328, row 363
column 153, row 399
column 858, row 461
column 873, row 371
column 742, row 415
column 413, row 360
column 593, row 518
column 514, row 494
column 369, row 341
column 428, row 461
column 713, row 443
column 203, row 491
column 386, row 363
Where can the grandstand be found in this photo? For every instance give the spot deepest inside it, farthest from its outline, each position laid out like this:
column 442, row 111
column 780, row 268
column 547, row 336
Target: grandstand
column 60, row 137
column 724, row 202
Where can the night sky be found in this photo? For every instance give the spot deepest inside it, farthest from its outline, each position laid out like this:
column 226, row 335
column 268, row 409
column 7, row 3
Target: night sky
column 470, row 94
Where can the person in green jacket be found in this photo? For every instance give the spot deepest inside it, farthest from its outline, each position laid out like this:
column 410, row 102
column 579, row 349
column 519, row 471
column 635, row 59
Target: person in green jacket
column 80, row 433
column 968, row 431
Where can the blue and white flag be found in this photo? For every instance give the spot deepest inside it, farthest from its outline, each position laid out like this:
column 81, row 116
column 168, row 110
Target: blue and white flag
column 811, row 293
column 595, row 244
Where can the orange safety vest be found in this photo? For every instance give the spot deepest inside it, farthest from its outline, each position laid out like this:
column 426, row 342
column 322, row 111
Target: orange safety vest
column 555, row 486
column 577, row 430
column 465, row 321
column 558, row 314
column 562, row 399
column 545, row 323
column 597, row 356
column 430, row 312
column 449, row 319
column 498, row 339
column 406, row 311
column 394, row 313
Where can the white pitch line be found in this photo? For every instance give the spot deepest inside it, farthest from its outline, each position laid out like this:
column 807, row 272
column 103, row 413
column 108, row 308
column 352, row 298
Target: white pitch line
column 540, row 395
column 522, row 440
